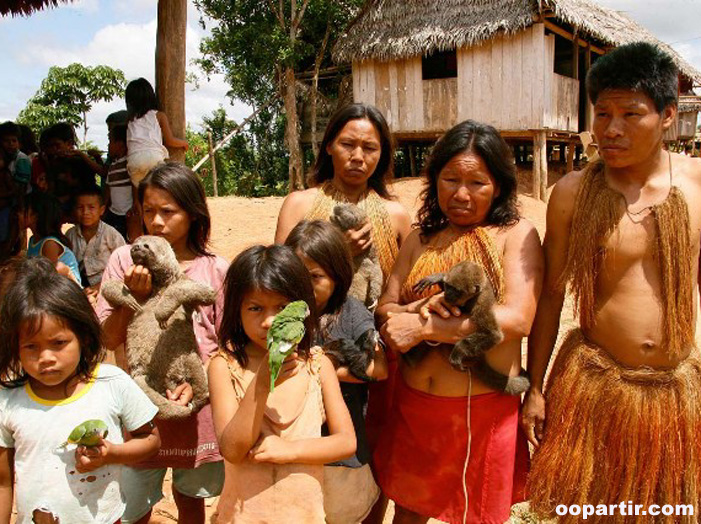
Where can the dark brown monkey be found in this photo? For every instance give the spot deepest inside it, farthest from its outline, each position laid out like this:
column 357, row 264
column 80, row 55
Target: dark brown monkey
column 467, row 287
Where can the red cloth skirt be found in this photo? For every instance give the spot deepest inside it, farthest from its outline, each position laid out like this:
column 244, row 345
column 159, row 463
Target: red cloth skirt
column 421, row 454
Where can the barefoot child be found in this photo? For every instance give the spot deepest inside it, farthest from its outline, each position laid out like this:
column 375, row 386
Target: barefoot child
column 326, row 255
column 175, row 208
column 271, row 442
column 52, row 381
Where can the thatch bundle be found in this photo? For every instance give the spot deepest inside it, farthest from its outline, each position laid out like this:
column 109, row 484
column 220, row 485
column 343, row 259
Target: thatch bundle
column 397, row 29
column 25, row 7
column 689, row 104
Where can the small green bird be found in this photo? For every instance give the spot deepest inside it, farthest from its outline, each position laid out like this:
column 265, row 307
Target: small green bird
column 286, row 331
column 88, row 433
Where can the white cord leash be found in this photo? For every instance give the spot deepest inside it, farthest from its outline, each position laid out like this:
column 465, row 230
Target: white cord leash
column 469, row 444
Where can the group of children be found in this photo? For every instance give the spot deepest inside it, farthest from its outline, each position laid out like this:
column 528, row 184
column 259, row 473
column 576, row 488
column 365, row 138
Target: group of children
column 298, row 454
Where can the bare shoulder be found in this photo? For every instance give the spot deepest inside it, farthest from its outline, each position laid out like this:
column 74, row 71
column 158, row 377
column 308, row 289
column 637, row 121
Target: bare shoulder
column 294, row 208
column 687, row 168
column 563, row 197
column 523, row 229
column 395, row 208
column 304, row 197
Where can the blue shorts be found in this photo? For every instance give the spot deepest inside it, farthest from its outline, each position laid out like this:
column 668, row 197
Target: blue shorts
column 142, row 488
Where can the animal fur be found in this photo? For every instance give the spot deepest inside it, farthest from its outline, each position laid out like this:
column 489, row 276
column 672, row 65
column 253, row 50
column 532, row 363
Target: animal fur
column 466, row 286
column 354, row 355
column 162, row 349
column 367, row 278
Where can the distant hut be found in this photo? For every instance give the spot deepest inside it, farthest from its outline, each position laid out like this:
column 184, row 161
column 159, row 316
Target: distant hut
column 518, row 65
column 684, row 129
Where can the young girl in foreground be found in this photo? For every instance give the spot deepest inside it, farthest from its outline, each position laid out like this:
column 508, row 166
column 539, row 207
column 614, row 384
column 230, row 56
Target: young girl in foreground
column 271, row 442
column 175, row 208
column 51, row 382
column 326, row 255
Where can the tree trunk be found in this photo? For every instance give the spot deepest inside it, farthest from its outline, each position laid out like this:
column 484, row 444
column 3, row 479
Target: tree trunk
column 85, row 128
column 292, row 132
column 315, row 87
column 170, row 66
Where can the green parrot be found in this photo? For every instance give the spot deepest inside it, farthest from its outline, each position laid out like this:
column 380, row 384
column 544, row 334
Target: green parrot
column 88, row 433
column 284, row 334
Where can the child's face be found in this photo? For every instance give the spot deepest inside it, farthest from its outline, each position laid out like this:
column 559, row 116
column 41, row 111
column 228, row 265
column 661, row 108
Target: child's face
column 56, row 146
column 9, row 144
column 116, row 149
column 323, row 284
column 88, row 210
column 50, row 356
column 163, row 217
column 258, row 309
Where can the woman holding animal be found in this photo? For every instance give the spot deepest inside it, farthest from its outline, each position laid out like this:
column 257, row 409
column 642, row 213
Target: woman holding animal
column 174, row 207
column 465, row 463
column 355, row 162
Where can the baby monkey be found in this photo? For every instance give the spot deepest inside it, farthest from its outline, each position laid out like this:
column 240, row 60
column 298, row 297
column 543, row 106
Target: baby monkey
column 467, row 287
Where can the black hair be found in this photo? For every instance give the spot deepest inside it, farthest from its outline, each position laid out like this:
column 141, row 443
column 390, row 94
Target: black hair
column 486, row 142
column 640, row 66
column 10, row 129
column 140, row 98
column 118, row 133
column 117, row 118
column 61, row 131
column 323, row 242
column 89, row 190
column 49, row 215
column 186, row 189
column 28, row 142
column 273, row 268
column 39, row 291
column 323, row 167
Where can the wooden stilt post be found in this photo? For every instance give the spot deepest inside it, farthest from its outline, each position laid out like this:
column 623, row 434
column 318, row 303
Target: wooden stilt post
column 570, row 155
column 412, row 160
column 170, row 66
column 540, row 165
column 213, row 163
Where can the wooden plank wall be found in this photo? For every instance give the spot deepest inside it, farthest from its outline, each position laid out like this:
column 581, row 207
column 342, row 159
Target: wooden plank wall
column 507, row 82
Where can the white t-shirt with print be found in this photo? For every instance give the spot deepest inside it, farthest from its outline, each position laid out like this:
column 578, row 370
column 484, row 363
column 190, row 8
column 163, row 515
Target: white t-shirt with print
column 46, row 477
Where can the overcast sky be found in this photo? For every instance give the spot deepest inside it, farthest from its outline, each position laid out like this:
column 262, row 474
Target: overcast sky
column 122, row 34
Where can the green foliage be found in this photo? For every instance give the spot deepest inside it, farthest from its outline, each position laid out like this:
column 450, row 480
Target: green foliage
column 246, row 166
column 67, row 94
column 250, row 47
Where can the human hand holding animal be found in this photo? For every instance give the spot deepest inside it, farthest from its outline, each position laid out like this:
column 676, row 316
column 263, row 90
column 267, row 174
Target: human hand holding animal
column 181, row 395
column 403, row 331
column 273, row 449
column 290, row 367
column 359, row 240
column 438, row 305
column 138, row 279
column 89, row 458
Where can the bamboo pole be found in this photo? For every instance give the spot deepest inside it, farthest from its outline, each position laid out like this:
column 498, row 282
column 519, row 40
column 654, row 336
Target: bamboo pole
column 213, row 164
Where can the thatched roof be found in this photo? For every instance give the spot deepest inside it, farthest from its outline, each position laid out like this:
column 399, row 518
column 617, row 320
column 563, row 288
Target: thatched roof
column 396, row 29
column 25, row 7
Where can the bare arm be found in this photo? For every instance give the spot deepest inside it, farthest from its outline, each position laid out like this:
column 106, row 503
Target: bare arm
column 143, row 444
column 401, row 221
column 523, row 261
column 339, row 444
column 7, row 457
column 237, row 425
column 52, row 250
column 169, row 139
column 389, row 301
column 547, row 320
column 293, row 210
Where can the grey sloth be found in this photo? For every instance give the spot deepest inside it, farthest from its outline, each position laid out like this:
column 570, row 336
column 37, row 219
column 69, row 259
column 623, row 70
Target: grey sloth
column 367, row 278
column 162, row 346
column 466, row 286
